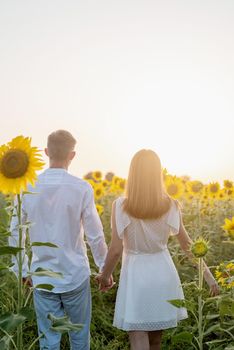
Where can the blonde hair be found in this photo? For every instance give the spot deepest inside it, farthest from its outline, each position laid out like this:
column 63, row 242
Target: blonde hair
column 146, row 197
column 60, row 143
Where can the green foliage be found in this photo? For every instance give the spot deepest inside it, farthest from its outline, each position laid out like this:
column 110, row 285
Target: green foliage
column 63, row 324
column 45, row 286
column 7, row 250
column 9, row 321
column 217, row 311
column 43, row 272
column 5, row 343
column 44, row 244
column 182, row 337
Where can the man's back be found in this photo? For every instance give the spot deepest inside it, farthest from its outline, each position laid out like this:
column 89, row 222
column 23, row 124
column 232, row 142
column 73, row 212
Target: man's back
column 61, row 206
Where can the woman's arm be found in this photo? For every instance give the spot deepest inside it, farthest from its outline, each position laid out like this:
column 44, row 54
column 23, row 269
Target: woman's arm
column 113, row 256
column 185, row 244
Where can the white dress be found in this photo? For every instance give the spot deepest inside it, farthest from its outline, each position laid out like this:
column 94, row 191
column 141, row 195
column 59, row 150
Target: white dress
column 148, row 275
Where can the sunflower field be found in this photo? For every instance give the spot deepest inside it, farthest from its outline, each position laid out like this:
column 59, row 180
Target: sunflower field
column 208, row 214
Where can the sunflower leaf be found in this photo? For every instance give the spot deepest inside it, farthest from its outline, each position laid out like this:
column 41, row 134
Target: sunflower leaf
column 183, row 337
column 5, row 343
column 49, row 273
column 27, row 312
column 5, row 250
column 4, row 233
column 28, row 192
column 4, row 267
column 181, row 303
column 45, row 286
column 9, row 321
column 63, row 324
column 44, row 244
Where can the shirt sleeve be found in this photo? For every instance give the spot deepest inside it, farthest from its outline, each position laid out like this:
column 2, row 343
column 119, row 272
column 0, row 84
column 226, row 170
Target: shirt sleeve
column 93, row 230
column 13, row 240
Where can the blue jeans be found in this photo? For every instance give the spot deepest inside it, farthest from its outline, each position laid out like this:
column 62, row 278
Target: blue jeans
column 76, row 304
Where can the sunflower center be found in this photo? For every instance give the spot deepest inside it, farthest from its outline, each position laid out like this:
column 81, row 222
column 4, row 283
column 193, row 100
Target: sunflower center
column 14, row 164
column 196, row 187
column 228, row 184
column 98, row 174
column 214, row 188
column 172, row 189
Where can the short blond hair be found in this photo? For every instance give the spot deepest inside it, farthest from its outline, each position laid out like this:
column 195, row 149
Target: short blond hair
column 60, row 143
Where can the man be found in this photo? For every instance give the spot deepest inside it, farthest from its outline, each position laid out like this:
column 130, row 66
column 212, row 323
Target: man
column 62, row 208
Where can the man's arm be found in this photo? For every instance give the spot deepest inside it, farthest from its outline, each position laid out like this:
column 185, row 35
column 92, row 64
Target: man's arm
column 115, row 251
column 94, row 230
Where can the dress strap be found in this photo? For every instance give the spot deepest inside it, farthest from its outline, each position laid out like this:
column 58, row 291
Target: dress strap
column 121, row 217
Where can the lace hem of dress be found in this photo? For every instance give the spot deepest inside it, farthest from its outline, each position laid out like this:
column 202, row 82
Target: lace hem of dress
column 147, row 326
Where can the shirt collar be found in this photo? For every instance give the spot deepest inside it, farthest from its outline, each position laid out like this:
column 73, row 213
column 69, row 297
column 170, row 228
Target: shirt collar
column 56, row 170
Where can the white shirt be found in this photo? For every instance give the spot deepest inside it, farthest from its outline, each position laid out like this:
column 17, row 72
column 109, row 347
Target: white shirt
column 61, row 211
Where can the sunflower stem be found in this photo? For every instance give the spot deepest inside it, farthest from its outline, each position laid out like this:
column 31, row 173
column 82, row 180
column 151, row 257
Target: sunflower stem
column 200, row 304
column 20, row 263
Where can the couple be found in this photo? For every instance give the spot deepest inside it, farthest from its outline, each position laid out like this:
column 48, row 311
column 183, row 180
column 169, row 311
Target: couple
column 63, row 210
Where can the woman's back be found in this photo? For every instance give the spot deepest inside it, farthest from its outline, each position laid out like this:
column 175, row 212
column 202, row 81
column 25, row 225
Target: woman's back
column 148, row 276
column 147, row 236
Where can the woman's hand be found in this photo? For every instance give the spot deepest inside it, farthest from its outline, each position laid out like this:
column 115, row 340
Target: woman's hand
column 214, row 288
column 104, row 283
column 212, row 283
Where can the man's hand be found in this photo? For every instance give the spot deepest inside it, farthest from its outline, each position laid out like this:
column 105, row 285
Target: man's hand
column 27, row 281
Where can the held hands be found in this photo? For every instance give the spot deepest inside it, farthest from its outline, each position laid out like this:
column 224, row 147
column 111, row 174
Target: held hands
column 104, row 283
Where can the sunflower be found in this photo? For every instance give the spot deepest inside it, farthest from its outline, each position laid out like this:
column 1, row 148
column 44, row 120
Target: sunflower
column 213, row 189
column 91, row 182
column 115, row 180
column 97, row 175
column 88, row 176
column 100, row 209
column 225, row 274
column 199, row 248
column 105, row 184
column 228, row 227
column 194, row 187
column 121, row 185
column 114, row 188
column 174, row 187
column 98, row 191
column 228, row 184
column 230, row 193
column 109, row 176
column 19, row 162
column 222, row 196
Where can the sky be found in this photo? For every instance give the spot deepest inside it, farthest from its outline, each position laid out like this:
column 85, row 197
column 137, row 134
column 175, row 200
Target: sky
column 121, row 76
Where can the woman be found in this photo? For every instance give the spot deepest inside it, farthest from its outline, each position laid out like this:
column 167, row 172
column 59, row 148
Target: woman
column 141, row 225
